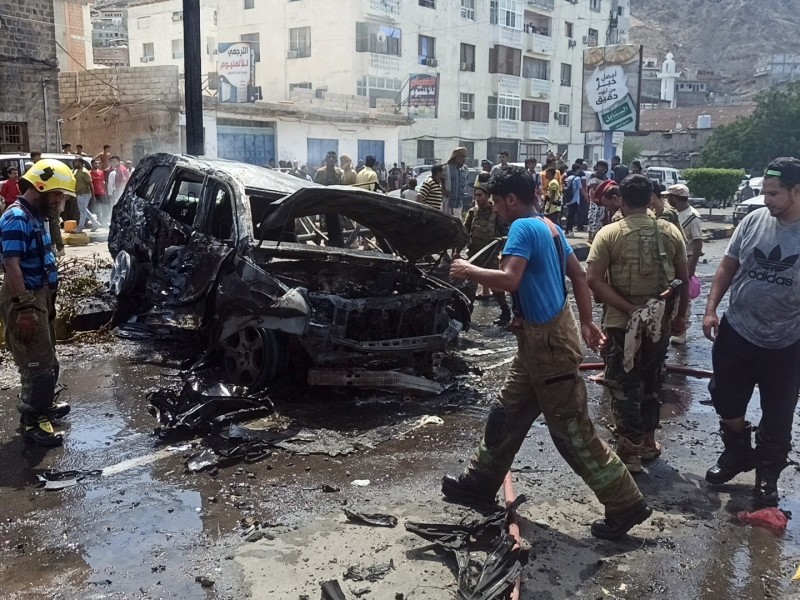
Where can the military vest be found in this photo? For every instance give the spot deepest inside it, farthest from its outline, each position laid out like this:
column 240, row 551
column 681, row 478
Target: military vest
column 483, row 227
column 641, row 270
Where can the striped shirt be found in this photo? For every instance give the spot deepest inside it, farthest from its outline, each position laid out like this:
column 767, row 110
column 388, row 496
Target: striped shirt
column 430, row 194
column 23, row 235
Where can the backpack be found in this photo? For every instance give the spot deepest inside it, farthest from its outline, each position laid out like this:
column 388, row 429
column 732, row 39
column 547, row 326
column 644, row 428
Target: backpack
column 569, row 190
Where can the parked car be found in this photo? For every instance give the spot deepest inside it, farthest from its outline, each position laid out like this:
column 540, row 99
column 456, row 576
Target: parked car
column 667, row 176
column 18, row 161
column 756, row 183
column 235, row 250
column 744, row 208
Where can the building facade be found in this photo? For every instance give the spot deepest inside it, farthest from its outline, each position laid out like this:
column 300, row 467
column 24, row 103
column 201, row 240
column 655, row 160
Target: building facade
column 777, row 69
column 73, row 34
column 29, row 111
column 110, row 33
column 490, row 75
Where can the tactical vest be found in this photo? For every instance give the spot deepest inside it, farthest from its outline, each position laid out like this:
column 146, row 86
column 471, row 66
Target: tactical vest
column 641, row 270
column 483, row 228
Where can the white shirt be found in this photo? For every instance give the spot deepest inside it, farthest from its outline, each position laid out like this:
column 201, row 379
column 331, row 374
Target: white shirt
column 410, row 195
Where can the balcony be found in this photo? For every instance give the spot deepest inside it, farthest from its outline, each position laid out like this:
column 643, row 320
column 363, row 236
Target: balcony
column 537, row 88
column 506, row 36
column 384, row 62
column 508, row 84
column 538, row 44
column 546, row 5
column 386, row 7
column 535, row 130
column 504, row 128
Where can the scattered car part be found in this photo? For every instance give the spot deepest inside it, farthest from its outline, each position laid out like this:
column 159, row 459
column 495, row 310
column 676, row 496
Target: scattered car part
column 371, row 574
column 382, row 380
column 59, row 480
column 374, row 519
column 331, row 590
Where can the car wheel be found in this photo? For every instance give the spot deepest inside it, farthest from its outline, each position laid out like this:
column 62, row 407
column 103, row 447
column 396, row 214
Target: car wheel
column 124, row 275
column 253, row 357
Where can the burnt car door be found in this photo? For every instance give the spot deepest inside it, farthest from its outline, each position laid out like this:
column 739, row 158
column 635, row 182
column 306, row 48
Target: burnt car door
column 202, row 233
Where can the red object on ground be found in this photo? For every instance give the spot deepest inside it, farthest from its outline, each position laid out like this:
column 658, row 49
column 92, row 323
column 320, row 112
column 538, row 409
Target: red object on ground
column 513, row 527
column 771, row 518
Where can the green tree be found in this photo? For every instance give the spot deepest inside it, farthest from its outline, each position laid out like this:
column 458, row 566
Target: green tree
column 772, row 130
column 631, row 150
column 715, row 185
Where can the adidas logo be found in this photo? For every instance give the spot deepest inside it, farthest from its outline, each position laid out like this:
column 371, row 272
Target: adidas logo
column 772, row 265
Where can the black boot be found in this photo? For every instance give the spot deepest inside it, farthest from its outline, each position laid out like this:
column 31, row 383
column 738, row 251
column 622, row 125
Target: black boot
column 738, row 456
column 59, row 410
column 614, row 527
column 471, row 488
column 39, row 430
column 505, row 316
column 769, row 464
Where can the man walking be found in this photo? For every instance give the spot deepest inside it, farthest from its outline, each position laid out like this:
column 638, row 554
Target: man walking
column 367, row 178
column 619, row 170
column 631, row 262
column 691, row 223
column 85, row 193
column 573, row 192
column 10, row 188
column 100, row 192
column 27, row 305
column 758, row 340
column 329, row 173
column 543, row 378
column 117, row 178
column 455, row 186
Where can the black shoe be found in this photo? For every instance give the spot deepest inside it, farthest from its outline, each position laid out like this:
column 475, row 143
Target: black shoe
column 58, row 411
column 471, row 489
column 614, row 527
column 738, row 456
column 39, row 430
column 765, row 491
column 504, row 318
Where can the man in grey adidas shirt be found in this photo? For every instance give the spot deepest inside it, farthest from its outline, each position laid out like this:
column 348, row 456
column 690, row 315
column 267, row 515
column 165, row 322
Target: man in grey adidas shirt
column 758, row 340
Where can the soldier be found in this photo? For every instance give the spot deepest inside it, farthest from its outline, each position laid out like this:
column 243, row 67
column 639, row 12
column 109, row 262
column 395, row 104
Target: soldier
column 484, row 227
column 630, row 263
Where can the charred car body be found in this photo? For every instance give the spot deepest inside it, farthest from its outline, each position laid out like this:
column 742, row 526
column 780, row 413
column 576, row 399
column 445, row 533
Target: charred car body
column 264, row 263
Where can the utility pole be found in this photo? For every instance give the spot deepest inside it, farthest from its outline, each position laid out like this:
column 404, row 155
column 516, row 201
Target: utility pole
column 195, row 144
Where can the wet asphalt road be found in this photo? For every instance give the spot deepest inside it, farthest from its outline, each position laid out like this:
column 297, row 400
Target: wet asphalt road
column 148, row 529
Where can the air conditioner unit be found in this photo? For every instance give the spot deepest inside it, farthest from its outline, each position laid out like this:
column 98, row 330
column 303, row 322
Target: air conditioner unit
column 293, row 54
column 573, row 43
column 431, row 62
column 467, row 114
column 177, row 16
column 467, row 66
column 566, row 83
column 586, row 39
column 147, row 58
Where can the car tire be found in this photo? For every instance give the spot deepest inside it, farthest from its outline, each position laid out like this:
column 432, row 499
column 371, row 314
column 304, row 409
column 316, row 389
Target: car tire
column 253, row 357
column 122, row 281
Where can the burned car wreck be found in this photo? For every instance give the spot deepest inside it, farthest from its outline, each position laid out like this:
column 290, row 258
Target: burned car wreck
column 279, row 272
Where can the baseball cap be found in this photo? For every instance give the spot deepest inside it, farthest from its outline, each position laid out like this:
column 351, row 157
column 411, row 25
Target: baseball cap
column 787, row 168
column 677, row 189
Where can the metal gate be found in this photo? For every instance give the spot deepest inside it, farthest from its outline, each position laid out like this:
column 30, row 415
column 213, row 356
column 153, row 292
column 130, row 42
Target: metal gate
column 371, row 147
column 255, row 146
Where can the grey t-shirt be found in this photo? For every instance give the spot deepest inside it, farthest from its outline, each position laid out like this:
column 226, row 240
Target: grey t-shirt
column 765, row 292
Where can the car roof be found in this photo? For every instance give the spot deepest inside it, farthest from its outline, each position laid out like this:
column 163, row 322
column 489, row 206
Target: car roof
column 755, row 200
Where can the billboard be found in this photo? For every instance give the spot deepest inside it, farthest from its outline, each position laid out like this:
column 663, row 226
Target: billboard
column 612, row 78
column 423, row 95
column 236, row 70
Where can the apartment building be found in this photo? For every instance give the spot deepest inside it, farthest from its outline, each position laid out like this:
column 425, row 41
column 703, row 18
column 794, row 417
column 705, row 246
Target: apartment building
column 496, row 74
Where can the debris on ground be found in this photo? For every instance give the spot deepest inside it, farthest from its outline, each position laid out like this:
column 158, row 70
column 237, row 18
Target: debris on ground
column 771, row 518
column 331, row 590
column 360, row 482
column 59, row 480
column 375, row 519
column 503, row 563
column 205, row 581
column 371, row 574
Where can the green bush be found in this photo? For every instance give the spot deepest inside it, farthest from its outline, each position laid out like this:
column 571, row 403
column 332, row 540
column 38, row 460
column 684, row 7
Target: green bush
column 715, row 185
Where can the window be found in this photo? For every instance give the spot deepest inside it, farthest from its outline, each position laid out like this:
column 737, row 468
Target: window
column 219, row 221
column 177, row 16
column 535, row 68
column 150, row 188
column 13, row 137
column 535, row 111
column 504, row 106
column 177, row 49
column 255, row 44
column 426, row 49
column 381, row 39
column 468, row 10
column 594, row 5
column 249, row 4
column 300, row 41
column 425, row 149
column 428, row 3
column 566, row 74
column 305, row 85
column 379, row 87
column 470, row 146
column 143, row 23
column 503, row 59
column 467, row 106
column 184, row 197
column 568, row 29
column 593, row 38
column 148, row 52
column 467, row 57
column 563, row 115
column 506, row 12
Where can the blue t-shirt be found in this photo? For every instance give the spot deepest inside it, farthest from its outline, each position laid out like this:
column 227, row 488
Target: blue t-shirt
column 23, row 235
column 540, row 297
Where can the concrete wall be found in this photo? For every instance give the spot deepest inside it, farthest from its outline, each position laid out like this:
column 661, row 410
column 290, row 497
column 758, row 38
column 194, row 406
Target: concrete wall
column 27, row 56
column 134, row 109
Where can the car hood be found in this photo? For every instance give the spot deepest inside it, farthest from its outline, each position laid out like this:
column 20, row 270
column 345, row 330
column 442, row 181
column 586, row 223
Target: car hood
column 411, row 228
column 756, row 201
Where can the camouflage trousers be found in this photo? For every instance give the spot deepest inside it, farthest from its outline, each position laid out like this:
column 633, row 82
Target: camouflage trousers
column 544, row 379
column 635, row 394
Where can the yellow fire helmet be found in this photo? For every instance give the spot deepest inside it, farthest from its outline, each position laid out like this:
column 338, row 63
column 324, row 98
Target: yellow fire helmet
column 50, row 175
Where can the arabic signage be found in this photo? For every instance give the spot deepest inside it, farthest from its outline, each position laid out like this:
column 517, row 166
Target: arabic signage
column 236, row 71
column 611, row 86
column 423, row 95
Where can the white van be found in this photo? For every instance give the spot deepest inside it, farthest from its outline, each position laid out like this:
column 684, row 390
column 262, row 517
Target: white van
column 667, row 176
column 18, row 161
